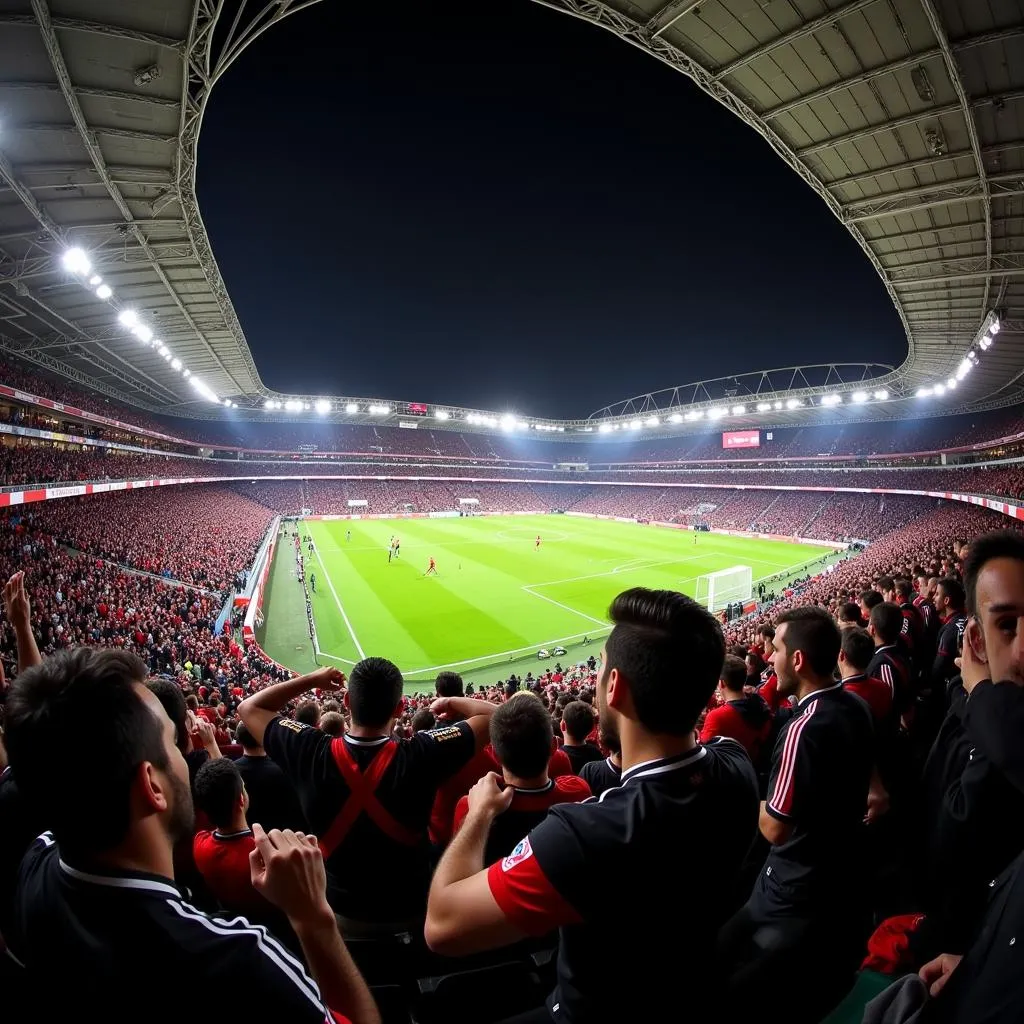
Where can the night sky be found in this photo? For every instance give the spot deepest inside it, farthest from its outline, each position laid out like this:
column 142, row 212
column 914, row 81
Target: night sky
column 511, row 211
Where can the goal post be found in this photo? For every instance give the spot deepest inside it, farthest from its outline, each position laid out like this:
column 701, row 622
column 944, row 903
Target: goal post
column 717, row 589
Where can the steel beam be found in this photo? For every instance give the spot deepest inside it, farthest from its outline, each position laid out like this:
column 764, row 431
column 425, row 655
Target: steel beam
column 103, row 94
column 98, row 28
column 672, row 12
column 134, row 134
column 968, row 276
column 974, row 193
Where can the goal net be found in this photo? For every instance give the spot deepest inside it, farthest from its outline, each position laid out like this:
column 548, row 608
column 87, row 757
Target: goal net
column 717, row 589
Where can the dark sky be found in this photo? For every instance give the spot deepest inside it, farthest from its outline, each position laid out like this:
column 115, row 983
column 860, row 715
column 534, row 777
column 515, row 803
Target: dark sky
column 498, row 206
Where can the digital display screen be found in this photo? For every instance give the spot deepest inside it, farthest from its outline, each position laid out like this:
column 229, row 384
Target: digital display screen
column 415, row 409
column 741, row 439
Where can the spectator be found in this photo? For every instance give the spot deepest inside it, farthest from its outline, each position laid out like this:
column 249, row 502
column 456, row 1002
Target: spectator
column 422, row 720
column 601, row 776
column 273, row 802
column 889, row 663
column 521, row 741
column 848, row 616
column 332, row 723
column 805, row 905
column 366, row 796
column 742, row 717
column 577, row 724
column 97, row 895
column 855, row 657
column 661, row 664
column 308, row 713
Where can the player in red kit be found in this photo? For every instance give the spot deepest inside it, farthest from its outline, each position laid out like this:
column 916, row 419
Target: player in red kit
column 432, row 568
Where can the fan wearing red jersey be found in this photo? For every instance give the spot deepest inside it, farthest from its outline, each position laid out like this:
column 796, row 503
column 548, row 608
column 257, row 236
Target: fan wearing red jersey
column 743, row 717
column 521, row 741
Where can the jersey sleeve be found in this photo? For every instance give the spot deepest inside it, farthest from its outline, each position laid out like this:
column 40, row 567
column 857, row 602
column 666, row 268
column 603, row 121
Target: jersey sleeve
column 713, row 723
column 294, row 747
column 532, row 884
column 442, row 752
column 791, row 786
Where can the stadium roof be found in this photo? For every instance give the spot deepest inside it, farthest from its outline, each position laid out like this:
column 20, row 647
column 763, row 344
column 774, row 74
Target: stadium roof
column 905, row 116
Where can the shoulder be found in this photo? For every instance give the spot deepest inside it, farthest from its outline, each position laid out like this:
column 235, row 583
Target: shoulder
column 573, row 787
column 439, row 737
column 281, row 728
column 202, row 841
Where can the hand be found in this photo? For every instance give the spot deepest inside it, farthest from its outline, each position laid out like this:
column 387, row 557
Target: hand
column 878, row 804
column 973, row 669
column 287, row 868
column 16, row 602
column 488, row 798
column 937, row 972
column 200, row 730
column 328, row 678
column 440, row 707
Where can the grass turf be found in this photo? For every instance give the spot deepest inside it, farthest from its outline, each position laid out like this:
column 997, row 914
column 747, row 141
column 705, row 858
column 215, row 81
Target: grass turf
column 496, row 599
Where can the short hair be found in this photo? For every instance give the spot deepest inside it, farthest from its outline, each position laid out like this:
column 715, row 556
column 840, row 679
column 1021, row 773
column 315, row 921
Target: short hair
column 766, row 630
column 216, row 790
column 904, row 588
column 858, row 648
column 887, row 621
column 244, row 737
column 332, row 723
column 885, row 582
column 449, row 684
column 169, row 694
column 954, row 590
column 998, row 544
column 579, row 719
column 374, row 691
column 84, row 694
column 736, row 651
column 308, row 713
column 812, row 631
column 734, row 672
column 330, row 705
column 670, row 649
column 521, row 734
column 849, row 612
column 423, row 720
column 870, row 599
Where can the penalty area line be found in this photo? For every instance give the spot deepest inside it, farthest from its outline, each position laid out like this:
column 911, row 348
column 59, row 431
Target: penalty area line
column 341, row 608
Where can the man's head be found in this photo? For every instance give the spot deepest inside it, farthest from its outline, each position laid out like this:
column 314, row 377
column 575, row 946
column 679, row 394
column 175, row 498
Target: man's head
column 137, row 776
column 332, row 723
column 868, row 600
column 170, row 696
column 924, row 586
column 949, row 596
column 521, row 736
column 246, row 740
column 577, row 721
column 422, row 721
column 856, row 652
column 660, row 663
column 765, row 636
column 885, row 585
column 994, row 581
column 374, row 693
column 734, row 675
column 904, row 591
column 219, row 792
column 308, row 713
column 848, row 615
column 885, row 624
column 806, row 649
column 449, row 684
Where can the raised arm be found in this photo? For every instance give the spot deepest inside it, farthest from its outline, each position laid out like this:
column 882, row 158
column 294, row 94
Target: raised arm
column 261, row 708
column 19, row 613
column 476, row 713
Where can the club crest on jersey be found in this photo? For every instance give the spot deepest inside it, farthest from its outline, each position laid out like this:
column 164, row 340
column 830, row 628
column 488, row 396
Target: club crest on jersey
column 522, row 852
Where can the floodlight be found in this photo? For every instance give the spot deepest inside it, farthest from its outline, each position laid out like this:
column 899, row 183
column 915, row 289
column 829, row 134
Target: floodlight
column 508, row 422
column 186, row 373
column 635, row 424
column 351, row 408
column 675, row 418
column 764, row 406
column 104, row 292
column 717, row 413
column 738, row 410
column 923, row 392
column 268, row 403
column 76, row 262
column 604, row 428
column 881, row 395
column 995, row 326
column 175, row 364
column 95, row 280
column 162, row 349
column 143, row 333
column 986, row 342
column 951, row 383
column 939, row 389
column 166, row 354
column 441, row 414
column 652, row 421
column 830, row 400
column 128, row 318
column 293, row 405
column 963, row 369
column 778, row 406
column 859, row 397
column 694, row 414
column 322, row 406
column 793, row 403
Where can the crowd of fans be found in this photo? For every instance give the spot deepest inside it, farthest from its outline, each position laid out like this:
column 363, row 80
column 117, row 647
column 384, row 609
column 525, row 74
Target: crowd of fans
column 826, row 793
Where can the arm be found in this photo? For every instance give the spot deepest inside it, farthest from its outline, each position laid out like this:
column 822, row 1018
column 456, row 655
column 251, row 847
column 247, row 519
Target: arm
column 18, row 609
column 258, row 710
column 774, row 830
column 462, row 914
column 476, row 713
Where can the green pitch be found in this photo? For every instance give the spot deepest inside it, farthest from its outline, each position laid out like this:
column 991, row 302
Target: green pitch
column 496, row 598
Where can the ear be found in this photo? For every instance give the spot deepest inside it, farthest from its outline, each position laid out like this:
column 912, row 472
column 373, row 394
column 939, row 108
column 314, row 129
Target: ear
column 975, row 636
column 151, row 788
column 798, row 661
column 561, row 725
column 618, row 691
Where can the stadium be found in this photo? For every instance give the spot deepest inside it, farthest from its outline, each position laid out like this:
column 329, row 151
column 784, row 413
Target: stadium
column 266, row 567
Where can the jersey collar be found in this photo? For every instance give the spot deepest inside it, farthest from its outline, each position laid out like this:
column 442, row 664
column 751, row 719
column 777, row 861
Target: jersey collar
column 857, row 678
column 364, row 741
column 661, row 765
column 815, row 694
column 129, row 880
column 550, row 784
column 228, row 836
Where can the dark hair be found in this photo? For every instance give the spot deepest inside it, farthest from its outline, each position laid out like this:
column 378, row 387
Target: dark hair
column 736, row 651
column 423, row 720
column 734, row 673
column 887, row 620
column 332, row 723
column 244, row 737
column 849, row 612
column 216, row 789
column 308, row 713
column 670, row 651
column 999, row 544
column 904, row 588
column 330, row 705
column 374, row 691
column 858, row 648
column 449, row 684
column 579, row 719
column 870, row 598
column 766, row 630
column 521, row 734
column 812, row 632
column 955, row 591
column 169, row 694
column 885, row 582
column 82, row 694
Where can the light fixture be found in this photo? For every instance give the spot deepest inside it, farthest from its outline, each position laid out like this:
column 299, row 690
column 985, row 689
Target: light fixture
column 508, row 422
column 939, row 389
column 793, row 403
column 717, row 413
column 186, row 373
column 923, row 392
column 859, row 397
column 351, row 408
column 778, row 406
column 143, row 333
column 293, row 405
column 128, row 318
column 175, row 364
column 379, row 410
column 76, row 262
column 652, row 421
column 162, row 349
column 166, row 354
column 951, row 383
column 604, row 428
column 881, row 395
column 764, row 406
column 204, row 390
column 995, row 326
column 676, row 418
column 738, row 410
column 322, row 406
column 441, row 414
column 95, row 281
column 830, row 400
column 104, row 292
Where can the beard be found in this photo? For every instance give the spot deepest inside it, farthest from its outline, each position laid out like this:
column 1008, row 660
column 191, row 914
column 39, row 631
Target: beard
column 181, row 821
column 607, row 723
